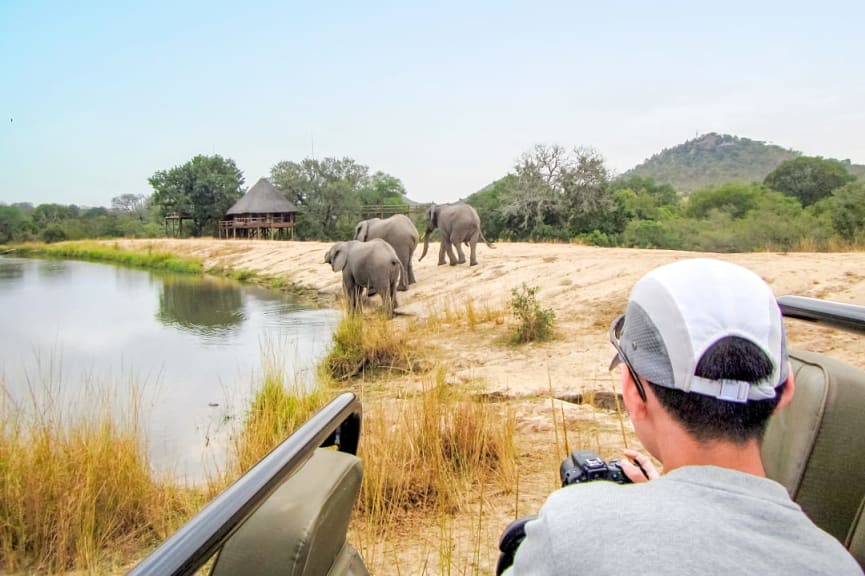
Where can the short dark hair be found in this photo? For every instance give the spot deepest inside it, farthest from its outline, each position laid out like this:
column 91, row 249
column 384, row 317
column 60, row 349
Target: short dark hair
column 707, row 418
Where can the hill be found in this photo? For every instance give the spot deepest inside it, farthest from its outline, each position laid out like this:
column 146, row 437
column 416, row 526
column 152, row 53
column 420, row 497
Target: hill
column 713, row 159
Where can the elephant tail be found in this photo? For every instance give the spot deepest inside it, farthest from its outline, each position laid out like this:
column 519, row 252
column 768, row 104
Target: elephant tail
column 481, row 233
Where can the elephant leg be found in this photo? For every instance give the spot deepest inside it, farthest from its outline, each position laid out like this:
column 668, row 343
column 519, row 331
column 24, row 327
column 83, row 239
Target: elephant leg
column 451, row 256
column 411, row 279
column 473, row 255
column 354, row 293
column 442, row 247
column 462, row 256
column 403, row 276
column 388, row 300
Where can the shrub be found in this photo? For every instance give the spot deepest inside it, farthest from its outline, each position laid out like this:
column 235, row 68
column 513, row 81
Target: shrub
column 53, row 233
column 534, row 323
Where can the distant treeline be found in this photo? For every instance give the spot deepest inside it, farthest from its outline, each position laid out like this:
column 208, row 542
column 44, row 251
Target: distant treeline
column 551, row 194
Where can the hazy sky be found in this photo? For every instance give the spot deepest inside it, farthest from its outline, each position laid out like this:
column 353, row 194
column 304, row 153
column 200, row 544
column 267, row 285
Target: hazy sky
column 97, row 96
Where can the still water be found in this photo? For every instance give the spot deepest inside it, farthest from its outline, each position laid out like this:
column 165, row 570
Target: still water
column 191, row 350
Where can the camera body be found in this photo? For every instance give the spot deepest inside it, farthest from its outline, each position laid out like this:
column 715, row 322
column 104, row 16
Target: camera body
column 586, row 465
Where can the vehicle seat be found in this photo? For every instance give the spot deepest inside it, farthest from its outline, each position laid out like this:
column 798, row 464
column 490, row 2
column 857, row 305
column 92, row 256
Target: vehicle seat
column 301, row 528
column 816, row 446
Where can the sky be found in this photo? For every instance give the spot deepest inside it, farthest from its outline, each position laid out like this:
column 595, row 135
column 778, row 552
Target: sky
column 95, row 97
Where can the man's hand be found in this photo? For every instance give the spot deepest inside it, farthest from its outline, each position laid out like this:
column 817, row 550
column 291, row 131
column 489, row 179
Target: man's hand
column 638, row 467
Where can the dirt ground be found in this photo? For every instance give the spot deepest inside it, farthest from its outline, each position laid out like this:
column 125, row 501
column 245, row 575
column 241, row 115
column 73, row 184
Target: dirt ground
column 586, row 287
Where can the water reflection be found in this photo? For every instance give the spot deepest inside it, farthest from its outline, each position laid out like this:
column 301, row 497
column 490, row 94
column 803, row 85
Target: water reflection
column 210, row 308
column 11, row 270
column 49, row 270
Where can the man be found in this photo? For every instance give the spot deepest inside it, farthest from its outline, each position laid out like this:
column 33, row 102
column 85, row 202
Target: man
column 704, row 364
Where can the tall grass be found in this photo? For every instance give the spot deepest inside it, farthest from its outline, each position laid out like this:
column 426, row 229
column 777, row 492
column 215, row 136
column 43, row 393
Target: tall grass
column 276, row 410
column 76, row 488
column 431, row 454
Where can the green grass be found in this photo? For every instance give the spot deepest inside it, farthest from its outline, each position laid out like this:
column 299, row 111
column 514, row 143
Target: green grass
column 112, row 253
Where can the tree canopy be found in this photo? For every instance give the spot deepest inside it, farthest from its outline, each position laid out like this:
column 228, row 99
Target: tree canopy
column 808, row 178
column 331, row 192
column 203, row 189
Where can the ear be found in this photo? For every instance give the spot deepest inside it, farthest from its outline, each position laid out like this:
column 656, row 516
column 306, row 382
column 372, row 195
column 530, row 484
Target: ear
column 361, row 231
column 635, row 405
column 434, row 216
column 340, row 257
column 788, row 391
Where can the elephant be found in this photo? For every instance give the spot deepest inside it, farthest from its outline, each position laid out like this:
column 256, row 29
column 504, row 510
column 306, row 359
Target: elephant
column 373, row 265
column 398, row 231
column 459, row 223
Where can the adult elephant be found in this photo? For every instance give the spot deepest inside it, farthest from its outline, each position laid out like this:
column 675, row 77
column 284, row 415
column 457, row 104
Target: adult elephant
column 372, row 265
column 459, row 223
column 398, row 231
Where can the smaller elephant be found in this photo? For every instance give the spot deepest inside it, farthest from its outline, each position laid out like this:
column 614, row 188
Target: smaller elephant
column 459, row 223
column 372, row 265
column 398, row 231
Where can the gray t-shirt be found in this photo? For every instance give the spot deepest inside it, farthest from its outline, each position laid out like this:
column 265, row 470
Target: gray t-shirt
column 693, row 520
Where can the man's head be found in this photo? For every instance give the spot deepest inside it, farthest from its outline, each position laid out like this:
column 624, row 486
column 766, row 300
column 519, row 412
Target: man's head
column 709, row 339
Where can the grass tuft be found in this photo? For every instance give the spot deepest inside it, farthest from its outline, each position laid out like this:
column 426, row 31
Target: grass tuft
column 368, row 344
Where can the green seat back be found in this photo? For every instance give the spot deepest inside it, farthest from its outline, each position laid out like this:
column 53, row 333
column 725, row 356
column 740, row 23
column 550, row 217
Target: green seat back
column 301, row 528
column 857, row 538
column 816, row 446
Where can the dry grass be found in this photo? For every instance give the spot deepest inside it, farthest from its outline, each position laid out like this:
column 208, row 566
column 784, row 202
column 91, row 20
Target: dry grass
column 276, row 411
column 430, row 454
column 76, row 488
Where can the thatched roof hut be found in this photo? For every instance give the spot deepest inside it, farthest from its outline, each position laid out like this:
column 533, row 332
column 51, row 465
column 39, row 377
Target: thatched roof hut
column 263, row 212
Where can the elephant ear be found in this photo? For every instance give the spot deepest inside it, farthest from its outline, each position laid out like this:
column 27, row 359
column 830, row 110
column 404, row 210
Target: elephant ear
column 340, row 257
column 434, row 216
column 361, row 231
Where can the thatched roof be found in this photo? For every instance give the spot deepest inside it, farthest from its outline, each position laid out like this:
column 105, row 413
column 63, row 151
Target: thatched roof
column 262, row 198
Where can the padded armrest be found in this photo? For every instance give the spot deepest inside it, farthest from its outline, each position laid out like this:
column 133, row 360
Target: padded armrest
column 816, row 446
column 301, row 528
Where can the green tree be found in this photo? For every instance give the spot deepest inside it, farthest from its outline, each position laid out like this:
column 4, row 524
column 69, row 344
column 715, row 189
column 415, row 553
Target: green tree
column 203, row 188
column 383, row 189
column 12, row 224
column 733, row 199
column 808, row 178
column 848, row 211
column 487, row 201
column 327, row 192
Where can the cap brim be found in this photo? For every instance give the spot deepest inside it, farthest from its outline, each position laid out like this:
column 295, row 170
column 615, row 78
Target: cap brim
column 615, row 361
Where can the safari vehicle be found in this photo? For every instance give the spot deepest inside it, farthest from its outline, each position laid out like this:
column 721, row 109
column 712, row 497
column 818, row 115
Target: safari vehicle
column 289, row 514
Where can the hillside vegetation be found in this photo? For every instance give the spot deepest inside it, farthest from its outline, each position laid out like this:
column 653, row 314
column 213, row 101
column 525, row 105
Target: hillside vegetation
column 714, row 159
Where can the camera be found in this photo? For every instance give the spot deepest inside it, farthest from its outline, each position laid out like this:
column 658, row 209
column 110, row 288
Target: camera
column 580, row 466
column 585, row 466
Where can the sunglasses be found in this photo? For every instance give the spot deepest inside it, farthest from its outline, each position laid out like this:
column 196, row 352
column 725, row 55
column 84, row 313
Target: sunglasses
column 615, row 336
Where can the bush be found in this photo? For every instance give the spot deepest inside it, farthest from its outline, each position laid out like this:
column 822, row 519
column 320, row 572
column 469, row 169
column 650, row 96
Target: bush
column 53, row 233
column 535, row 323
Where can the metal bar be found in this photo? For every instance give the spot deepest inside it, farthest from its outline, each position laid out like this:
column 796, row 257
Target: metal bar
column 199, row 539
column 849, row 317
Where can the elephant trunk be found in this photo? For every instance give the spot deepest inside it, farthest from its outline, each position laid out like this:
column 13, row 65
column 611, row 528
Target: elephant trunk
column 425, row 245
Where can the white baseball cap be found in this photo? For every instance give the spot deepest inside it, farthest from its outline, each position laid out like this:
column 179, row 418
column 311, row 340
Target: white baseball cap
column 678, row 311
